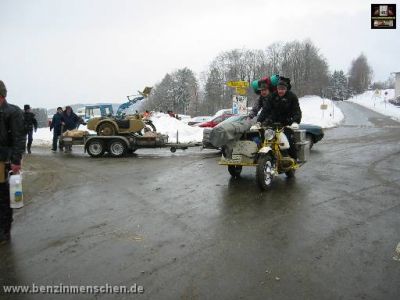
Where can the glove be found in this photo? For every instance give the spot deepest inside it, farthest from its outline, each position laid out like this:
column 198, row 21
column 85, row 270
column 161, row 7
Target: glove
column 294, row 125
column 255, row 127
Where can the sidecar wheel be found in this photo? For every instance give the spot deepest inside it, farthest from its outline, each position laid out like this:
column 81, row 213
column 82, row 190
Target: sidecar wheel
column 264, row 172
column 291, row 174
column 235, row 171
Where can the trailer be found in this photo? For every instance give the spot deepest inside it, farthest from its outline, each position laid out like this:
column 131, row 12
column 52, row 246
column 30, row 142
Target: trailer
column 120, row 145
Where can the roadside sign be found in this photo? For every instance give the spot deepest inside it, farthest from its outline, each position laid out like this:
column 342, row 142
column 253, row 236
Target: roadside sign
column 238, row 84
column 324, row 106
column 239, row 105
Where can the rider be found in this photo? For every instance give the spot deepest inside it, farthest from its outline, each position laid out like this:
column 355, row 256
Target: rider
column 282, row 107
column 263, row 87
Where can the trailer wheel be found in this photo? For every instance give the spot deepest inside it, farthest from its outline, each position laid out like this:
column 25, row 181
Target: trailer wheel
column 173, row 149
column 95, row 148
column 117, row 148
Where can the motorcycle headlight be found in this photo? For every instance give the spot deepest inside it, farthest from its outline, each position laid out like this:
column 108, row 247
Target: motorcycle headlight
column 269, row 134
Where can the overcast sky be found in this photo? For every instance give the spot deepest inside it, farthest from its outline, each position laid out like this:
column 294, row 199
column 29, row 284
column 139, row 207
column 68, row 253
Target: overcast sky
column 57, row 52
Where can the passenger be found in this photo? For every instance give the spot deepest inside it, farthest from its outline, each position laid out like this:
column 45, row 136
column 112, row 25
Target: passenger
column 282, row 107
column 263, row 87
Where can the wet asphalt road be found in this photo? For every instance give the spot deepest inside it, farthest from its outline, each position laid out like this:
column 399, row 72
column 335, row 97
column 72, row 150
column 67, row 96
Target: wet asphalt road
column 179, row 226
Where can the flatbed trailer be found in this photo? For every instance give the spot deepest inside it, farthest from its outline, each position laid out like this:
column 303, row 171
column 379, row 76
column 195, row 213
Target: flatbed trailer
column 118, row 146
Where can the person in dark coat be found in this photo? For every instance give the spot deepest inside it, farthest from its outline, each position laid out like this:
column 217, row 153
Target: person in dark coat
column 71, row 120
column 282, row 107
column 12, row 146
column 30, row 125
column 56, row 124
column 259, row 87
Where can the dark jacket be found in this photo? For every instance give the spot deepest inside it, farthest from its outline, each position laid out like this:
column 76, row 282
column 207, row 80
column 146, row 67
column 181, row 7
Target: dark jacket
column 256, row 108
column 284, row 110
column 71, row 121
column 56, row 123
column 12, row 133
column 30, row 121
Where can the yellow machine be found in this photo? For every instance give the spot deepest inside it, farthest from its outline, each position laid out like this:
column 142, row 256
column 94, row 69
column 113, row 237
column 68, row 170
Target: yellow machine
column 122, row 124
column 107, row 126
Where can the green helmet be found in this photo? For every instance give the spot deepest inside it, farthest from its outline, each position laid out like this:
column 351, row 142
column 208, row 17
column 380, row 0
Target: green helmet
column 254, row 85
column 274, row 79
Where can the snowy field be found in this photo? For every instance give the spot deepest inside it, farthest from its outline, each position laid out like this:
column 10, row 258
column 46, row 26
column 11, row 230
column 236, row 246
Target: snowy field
column 313, row 114
column 379, row 103
column 310, row 106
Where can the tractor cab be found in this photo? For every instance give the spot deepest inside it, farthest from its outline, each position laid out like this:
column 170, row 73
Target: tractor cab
column 98, row 110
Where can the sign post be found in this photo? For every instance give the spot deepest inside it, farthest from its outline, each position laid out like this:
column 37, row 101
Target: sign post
column 239, row 100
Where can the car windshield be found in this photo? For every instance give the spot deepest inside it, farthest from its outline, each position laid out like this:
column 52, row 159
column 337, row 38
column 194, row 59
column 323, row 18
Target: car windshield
column 233, row 119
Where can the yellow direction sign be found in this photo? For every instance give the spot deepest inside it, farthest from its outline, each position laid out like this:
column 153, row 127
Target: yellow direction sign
column 241, row 91
column 238, row 84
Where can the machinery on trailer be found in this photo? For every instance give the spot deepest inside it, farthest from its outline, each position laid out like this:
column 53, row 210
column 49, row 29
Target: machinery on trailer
column 123, row 123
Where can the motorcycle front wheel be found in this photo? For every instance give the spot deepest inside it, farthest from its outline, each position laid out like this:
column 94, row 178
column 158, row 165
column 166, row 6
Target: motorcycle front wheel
column 264, row 172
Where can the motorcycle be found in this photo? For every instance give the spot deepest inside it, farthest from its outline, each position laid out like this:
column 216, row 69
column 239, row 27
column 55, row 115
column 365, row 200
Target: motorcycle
column 265, row 148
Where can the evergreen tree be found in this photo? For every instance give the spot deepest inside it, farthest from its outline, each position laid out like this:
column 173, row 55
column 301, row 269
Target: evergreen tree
column 360, row 74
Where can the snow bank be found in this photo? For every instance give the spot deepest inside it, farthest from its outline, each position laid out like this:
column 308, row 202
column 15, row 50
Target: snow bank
column 312, row 113
column 169, row 125
column 379, row 103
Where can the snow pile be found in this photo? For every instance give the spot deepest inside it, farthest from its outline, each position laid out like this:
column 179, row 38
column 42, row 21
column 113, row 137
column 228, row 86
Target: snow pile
column 379, row 102
column 43, row 137
column 166, row 124
column 313, row 114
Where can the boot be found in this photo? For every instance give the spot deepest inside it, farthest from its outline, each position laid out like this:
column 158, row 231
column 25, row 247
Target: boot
column 29, row 148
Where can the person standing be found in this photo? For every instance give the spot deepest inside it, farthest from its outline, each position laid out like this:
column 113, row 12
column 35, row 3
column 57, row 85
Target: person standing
column 12, row 146
column 71, row 121
column 56, row 124
column 30, row 125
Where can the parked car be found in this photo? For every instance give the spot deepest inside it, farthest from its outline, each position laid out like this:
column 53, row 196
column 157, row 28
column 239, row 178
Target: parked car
column 223, row 112
column 198, row 120
column 214, row 122
column 314, row 133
